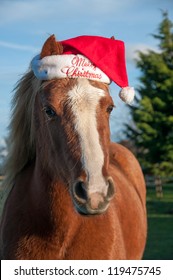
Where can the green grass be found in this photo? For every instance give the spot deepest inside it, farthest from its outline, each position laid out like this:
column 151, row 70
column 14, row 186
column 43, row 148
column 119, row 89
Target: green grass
column 160, row 225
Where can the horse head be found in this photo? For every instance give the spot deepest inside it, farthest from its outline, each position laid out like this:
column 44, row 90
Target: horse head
column 73, row 136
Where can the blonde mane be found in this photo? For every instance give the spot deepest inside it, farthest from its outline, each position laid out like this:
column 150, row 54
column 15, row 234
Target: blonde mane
column 21, row 140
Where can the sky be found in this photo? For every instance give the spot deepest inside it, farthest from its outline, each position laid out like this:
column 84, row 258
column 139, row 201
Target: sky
column 26, row 24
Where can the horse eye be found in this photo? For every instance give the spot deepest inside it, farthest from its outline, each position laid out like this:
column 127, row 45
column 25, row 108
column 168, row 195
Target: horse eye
column 110, row 108
column 50, row 112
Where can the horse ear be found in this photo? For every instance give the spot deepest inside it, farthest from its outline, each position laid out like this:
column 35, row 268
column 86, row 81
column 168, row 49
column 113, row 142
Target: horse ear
column 51, row 47
column 113, row 38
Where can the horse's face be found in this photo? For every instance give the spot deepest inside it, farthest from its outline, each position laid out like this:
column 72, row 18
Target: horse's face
column 73, row 136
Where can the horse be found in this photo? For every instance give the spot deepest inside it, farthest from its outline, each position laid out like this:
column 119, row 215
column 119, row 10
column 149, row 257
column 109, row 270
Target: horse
column 73, row 194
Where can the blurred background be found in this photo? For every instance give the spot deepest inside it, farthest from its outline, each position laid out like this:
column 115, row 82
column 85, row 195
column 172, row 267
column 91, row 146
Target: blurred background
column 146, row 127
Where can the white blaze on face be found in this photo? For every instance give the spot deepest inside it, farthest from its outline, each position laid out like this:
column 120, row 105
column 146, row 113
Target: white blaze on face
column 84, row 99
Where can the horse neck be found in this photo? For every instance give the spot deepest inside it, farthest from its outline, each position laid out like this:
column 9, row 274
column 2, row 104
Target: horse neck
column 55, row 196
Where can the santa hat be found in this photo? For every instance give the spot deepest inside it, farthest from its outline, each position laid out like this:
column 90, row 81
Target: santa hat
column 93, row 57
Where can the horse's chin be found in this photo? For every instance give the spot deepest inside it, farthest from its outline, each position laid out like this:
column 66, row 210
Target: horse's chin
column 87, row 211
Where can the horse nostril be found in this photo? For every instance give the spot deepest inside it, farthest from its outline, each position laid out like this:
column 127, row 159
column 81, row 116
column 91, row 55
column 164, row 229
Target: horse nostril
column 111, row 188
column 80, row 192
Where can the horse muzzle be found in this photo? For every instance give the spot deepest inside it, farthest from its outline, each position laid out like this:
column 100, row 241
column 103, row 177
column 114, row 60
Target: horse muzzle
column 90, row 203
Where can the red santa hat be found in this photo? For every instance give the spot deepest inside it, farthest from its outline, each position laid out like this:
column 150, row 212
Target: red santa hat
column 92, row 57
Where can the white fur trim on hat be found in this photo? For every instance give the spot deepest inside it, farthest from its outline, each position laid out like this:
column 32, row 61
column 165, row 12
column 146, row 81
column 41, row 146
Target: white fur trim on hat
column 67, row 65
column 127, row 94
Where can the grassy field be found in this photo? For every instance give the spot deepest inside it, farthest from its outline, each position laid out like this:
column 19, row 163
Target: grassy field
column 160, row 225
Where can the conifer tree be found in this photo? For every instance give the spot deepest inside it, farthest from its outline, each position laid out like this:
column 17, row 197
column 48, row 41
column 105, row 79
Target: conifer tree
column 152, row 132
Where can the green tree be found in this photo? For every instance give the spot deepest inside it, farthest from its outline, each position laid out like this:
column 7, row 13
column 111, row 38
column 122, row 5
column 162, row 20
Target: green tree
column 152, row 132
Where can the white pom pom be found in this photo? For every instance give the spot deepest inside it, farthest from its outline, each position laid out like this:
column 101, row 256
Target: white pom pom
column 127, row 94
